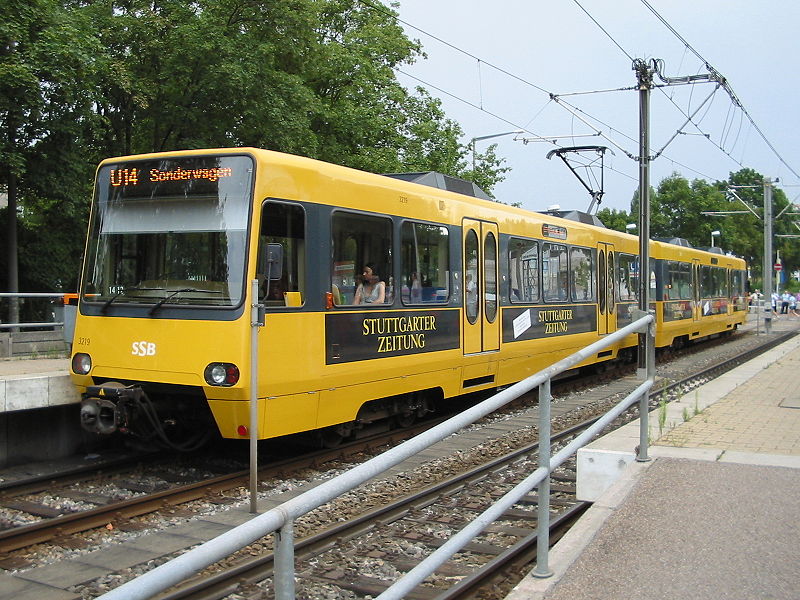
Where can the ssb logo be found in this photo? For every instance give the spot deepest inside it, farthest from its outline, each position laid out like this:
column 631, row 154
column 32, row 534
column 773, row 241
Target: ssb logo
column 143, row 349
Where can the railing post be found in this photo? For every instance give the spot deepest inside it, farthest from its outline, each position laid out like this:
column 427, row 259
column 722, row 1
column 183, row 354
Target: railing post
column 284, row 562
column 543, row 509
column 644, row 428
column 644, row 401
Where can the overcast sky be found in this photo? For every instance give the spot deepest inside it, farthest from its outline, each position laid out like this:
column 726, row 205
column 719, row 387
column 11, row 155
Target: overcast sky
column 556, row 46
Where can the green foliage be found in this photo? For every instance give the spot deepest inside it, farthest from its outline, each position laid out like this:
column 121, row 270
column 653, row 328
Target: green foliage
column 677, row 205
column 81, row 81
column 617, row 219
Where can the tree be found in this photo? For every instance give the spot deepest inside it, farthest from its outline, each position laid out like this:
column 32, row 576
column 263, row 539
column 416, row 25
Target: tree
column 677, row 206
column 81, row 81
column 45, row 55
column 616, row 219
column 430, row 143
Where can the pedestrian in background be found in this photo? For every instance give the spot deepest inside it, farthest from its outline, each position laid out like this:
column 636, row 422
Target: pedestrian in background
column 785, row 298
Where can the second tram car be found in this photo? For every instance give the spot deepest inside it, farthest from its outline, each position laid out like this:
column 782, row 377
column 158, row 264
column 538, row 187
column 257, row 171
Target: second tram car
column 390, row 296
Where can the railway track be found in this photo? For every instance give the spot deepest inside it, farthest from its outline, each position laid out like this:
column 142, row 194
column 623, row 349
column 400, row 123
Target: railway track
column 59, row 529
column 163, row 492
column 421, row 520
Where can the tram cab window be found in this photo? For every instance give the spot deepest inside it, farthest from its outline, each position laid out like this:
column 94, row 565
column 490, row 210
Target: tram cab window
column 554, row 273
column 523, row 268
column 425, row 260
column 582, row 274
column 360, row 241
column 283, row 223
column 627, row 278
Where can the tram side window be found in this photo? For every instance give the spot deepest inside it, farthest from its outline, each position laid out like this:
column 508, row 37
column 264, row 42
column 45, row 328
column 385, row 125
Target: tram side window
column 679, row 281
column 425, row 254
column 554, row 273
column 582, row 274
column 523, row 267
column 706, row 285
column 284, row 224
column 721, row 287
column 360, row 242
column 627, row 278
column 738, row 289
column 713, row 282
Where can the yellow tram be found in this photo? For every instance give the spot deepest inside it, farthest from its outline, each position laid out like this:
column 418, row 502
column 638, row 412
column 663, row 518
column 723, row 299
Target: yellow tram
column 390, row 296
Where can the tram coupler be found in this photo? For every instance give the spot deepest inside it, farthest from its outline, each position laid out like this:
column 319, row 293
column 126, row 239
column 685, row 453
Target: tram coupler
column 108, row 408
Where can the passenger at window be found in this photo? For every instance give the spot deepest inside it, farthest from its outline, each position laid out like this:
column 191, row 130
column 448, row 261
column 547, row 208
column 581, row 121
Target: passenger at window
column 371, row 290
column 472, row 297
column 416, row 289
column 276, row 290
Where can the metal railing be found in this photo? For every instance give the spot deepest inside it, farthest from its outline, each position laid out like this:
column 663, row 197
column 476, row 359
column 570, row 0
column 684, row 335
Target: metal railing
column 53, row 323
column 280, row 519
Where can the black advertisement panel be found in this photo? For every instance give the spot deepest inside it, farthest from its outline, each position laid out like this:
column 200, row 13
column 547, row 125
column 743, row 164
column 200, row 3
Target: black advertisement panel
column 714, row 306
column 626, row 311
column 354, row 336
column 677, row 310
column 547, row 321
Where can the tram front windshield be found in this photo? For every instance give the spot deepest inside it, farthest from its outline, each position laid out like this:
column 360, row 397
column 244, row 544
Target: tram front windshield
column 171, row 232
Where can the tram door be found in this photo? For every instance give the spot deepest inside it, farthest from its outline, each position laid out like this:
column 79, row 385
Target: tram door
column 481, row 312
column 697, row 298
column 606, row 289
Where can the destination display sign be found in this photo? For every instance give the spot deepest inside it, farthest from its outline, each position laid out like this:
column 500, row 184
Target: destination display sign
column 179, row 176
column 134, row 175
column 555, row 232
column 353, row 336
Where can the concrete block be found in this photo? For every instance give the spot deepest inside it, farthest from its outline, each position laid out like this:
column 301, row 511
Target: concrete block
column 708, row 454
column 13, row 588
column 2, row 395
column 64, row 574
column 161, row 543
column 598, row 469
column 117, row 557
column 61, row 391
column 200, row 529
column 233, row 517
column 618, row 491
column 767, row 460
column 26, row 393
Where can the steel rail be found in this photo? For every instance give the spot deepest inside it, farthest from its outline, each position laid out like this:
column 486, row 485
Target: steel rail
column 71, row 523
column 259, row 568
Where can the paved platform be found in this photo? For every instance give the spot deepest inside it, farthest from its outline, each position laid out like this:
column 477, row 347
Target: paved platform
column 714, row 514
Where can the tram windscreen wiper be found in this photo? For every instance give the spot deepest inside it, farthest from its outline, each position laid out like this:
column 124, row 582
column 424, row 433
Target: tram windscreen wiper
column 169, row 297
column 124, row 291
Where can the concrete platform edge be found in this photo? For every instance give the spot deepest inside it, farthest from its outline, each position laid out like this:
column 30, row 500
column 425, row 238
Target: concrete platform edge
column 603, row 460
column 572, row 545
column 614, row 447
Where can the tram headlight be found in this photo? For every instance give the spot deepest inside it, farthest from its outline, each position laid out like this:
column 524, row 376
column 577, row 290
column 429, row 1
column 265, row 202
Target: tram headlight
column 81, row 363
column 222, row 374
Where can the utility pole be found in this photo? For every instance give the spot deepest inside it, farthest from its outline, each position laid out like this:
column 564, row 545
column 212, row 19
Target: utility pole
column 768, row 255
column 645, row 70
column 12, row 259
column 646, row 354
